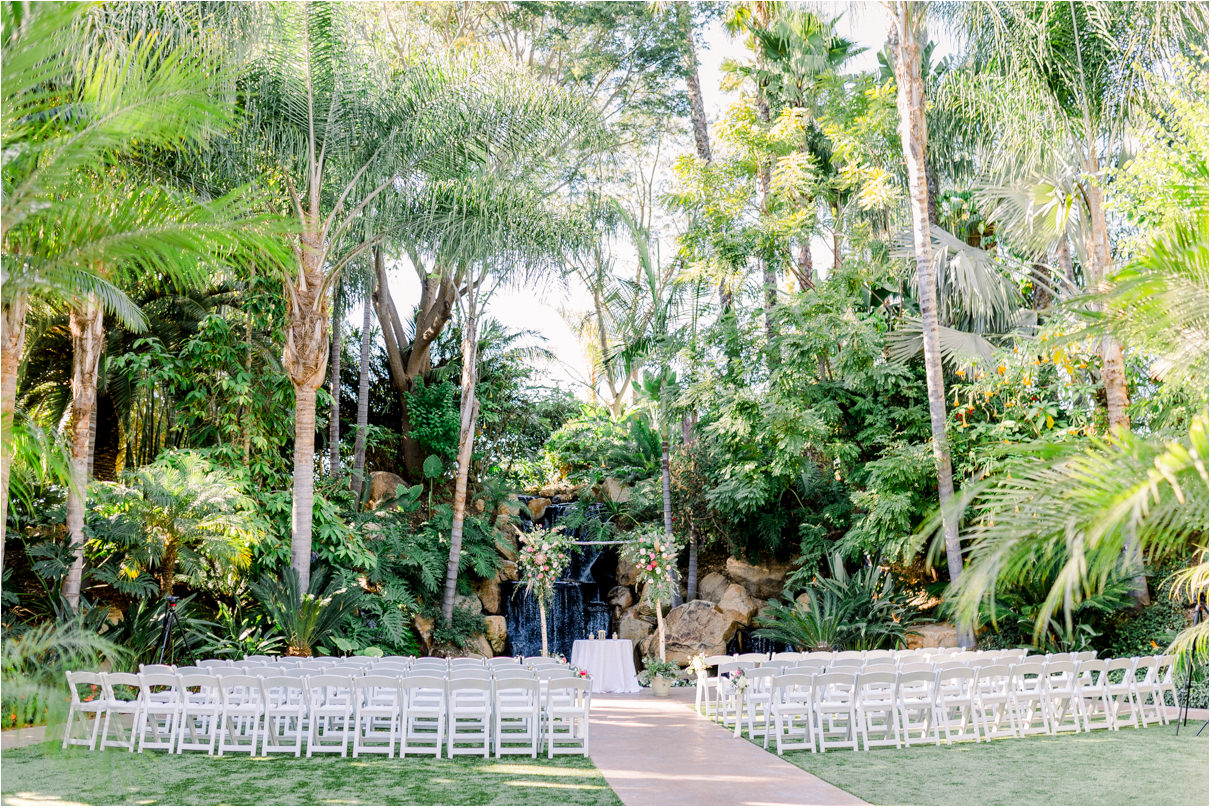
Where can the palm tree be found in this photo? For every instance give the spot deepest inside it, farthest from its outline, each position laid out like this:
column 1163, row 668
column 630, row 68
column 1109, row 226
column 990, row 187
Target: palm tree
column 363, row 393
column 910, row 94
column 75, row 100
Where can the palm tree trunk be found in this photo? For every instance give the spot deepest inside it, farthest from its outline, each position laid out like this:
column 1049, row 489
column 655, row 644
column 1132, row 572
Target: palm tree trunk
column 86, row 324
column 914, row 137
column 12, row 343
column 305, row 359
column 468, row 413
column 691, row 572
column 168, row 568
column 693, row 87
column 334, row 412
column 363, row 402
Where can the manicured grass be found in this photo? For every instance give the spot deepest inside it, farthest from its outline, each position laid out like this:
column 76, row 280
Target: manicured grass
column 1130, row 767
column 45, row 774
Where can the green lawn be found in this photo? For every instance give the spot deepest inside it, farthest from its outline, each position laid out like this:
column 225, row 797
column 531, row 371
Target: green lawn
column 1130, row 767
column 47, row 775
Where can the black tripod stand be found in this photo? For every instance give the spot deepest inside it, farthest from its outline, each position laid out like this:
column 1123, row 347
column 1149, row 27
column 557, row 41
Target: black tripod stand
column 167, row 633
column 1183, row 713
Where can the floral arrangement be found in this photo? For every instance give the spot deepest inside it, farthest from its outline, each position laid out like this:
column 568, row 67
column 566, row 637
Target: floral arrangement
column 582, row 673
column 738, row 680
column 544, row 557
column 698, row 664
column 654, row 555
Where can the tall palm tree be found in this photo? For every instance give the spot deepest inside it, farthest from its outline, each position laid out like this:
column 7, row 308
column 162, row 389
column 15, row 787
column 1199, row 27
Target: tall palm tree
column 78, row 99
column 907, row 19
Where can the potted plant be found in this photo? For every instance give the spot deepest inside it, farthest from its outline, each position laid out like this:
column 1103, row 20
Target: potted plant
column 663, row 675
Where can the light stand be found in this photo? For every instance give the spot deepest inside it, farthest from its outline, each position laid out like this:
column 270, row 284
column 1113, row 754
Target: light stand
column 171, row 621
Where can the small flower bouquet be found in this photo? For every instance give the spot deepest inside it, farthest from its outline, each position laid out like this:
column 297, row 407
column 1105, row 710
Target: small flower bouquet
column 582, row 673
column 698, row 664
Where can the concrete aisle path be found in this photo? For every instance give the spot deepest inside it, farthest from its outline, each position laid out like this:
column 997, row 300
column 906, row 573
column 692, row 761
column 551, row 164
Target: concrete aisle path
column 659, row 752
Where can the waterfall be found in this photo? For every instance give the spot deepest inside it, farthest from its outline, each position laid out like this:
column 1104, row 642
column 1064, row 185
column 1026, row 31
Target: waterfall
column 577, row 609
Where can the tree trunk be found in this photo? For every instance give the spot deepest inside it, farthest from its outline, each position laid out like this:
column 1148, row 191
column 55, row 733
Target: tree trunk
column 168, row 568
column 334, row 413
column 305, row 360
column 363, row 402
column 86, row 324
column 804, row 272
column 1063, row 257
column 468, row 413
column 914, row 139
column 693, row 87
column 1040, row 283
column 12, row 343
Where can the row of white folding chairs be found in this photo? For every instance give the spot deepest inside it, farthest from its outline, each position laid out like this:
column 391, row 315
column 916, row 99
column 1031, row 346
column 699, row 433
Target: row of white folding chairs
column 832, row 709
column 345, row 668
column 365, row 661
column 378, row 714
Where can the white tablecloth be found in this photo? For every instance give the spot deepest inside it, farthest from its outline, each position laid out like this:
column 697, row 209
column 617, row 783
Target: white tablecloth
column 611, row 663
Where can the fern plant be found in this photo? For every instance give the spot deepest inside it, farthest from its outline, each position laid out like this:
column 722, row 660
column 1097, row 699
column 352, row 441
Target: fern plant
column 308, row 618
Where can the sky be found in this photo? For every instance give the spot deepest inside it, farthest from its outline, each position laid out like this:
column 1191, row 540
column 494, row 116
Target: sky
column 540, row 309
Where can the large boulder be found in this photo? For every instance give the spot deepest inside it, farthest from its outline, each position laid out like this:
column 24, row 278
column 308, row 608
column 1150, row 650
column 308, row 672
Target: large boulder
column 621, row 597
column 538, row 506
column 626, row 572
column 762, row 581
column 508, row 571
column 737, row 602
column 489, row 596
column 697, row 627
column 383, row 485
column 712, row 586
column 479, row 646
column 424, row 631
column 468, row 603
column 931, row 635
column 496, row 633
column 508, row 542
column 612, row 490
column 633, row 627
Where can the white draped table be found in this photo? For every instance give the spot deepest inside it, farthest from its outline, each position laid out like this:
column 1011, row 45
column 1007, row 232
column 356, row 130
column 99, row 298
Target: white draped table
column 611, row 663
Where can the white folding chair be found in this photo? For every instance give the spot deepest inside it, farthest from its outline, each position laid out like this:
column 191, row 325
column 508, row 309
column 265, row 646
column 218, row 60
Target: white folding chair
column 954, row 706
column 751, row 659
column 424, row 728
column 567, row 715
column 157, row 669
column 378, row 705
column 914, row 703
column 757, row 698
column 1120, row 680
column 122, row 698
column 330, row 713
column 833, row 704
column 93, row 703
column 285, row 713
column 1166, row 683
column 725, row 693
column 1093, row 695
column 994, row 713
column 161, row 709
column 516, row 715
column 1064, row 705
column 469, row 713
column 1030, row 698
column 790, row 713
column 875, row 708
column 704, row 702
column 242, row 710
column 200, row 712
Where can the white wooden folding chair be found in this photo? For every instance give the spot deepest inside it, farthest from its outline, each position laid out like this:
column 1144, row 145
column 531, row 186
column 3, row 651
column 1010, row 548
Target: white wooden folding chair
column 567, row 715
column 92, row 703
column 1064, row 704
column 1093, row 695
column 994, row 713
column 161, row 709
column 122, row 698
column 200, row 712
column 1030, row 698
column 329, row 713
column 469, row 713
column 914, row 703
column 242, row 711
column 285, row 713
column 378, row 707
column 833, row 704
column 954, row 705
column 1120, row 680
column 158, row 669
column 790, row 713
column 516, row 715
column 1166, row 683
column 875, row 707
column 424, row 727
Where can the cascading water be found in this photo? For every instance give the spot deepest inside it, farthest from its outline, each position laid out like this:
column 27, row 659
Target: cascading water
column 577, row 609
